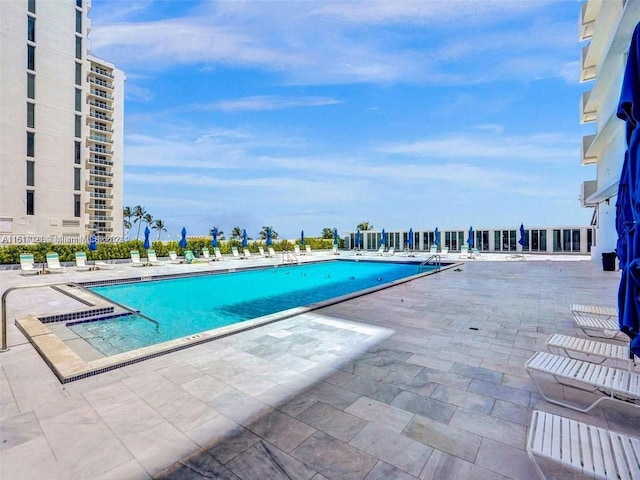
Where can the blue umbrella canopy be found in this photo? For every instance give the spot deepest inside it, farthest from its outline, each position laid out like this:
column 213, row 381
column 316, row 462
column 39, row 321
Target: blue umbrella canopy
column 410, row 242
column 335, row 236
column 269, row 241
column 93, row 243
column 302, row 238
column 436, row 237
column 628, row 204
column 214, row 237
column 146, row 243
column 244, row 238
column 383, row 239
column 470, row 239
column 358, row 239
column 522, row 240
column 183, row 241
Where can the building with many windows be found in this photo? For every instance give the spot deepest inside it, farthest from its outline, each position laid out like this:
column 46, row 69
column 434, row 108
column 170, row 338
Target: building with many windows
column 61, row 126
column 606, row 27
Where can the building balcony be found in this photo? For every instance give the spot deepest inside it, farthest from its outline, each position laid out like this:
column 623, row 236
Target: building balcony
column 100, row 94
column 586, row 24
column 587, row 157
column 100, row 229
column 100, row 105
column 102, row 128
column 99, row 138
column 101, row 151
column 587, row 189
column 100, row 173
column 588, row 71
column 101, row 116
column 98, row 206
column 101, row 72
column 100, row 195
column 587, row 113
column 99, row 184
column 100, row 82
column 98, row 161
column 100, row 218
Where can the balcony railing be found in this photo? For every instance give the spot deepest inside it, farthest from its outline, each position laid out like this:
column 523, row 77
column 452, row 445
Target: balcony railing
column 102, row 128
column 100, row 173
column 100, row 218
column 101, row 94
column 100, row 138
column 96, row 228
column 101, row 105
column 99, row 161
column 102, row 151
column 100, row 195
column 99, row 206
column 102, row 83
column 101, row 71
column 97, row 183
column 100, row 116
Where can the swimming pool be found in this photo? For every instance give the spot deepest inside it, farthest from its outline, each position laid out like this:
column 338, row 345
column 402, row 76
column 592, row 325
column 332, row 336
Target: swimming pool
column 188, row 306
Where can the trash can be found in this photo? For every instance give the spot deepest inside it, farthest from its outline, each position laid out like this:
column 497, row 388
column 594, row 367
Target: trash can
column 609, row 262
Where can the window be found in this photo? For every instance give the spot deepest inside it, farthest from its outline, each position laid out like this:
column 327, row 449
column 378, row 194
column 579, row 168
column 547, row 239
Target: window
column 31, row 115
column 78, row 74
column 79, row 21
column 31, row 86
column 31, row 173
column 77, row 153
column 78, row 126
column 31, row 144
column 30, row 202
column 31, row 29
column 79, row 3
column 76, row 179
column 76, row 205
column 78, row 101
column 31, row 57
column 79, row 47
column 31, row 6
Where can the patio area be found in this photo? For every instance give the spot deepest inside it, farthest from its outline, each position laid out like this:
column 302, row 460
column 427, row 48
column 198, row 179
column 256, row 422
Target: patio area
column 425, row 380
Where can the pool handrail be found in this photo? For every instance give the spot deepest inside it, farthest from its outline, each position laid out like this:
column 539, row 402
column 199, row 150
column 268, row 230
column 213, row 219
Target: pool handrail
column 40, row 285
column 436, row 262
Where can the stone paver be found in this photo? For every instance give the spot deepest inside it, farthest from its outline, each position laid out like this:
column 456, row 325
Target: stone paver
column 392, row 385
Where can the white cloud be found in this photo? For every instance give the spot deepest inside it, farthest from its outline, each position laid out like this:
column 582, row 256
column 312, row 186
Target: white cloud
column 269, row 102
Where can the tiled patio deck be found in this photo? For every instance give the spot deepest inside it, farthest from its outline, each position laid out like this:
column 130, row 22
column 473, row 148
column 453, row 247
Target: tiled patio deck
column 424, row 380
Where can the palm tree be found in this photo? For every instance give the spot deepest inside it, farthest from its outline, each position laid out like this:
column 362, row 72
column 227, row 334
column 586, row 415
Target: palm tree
column 126, row 215
column 138, row 213
column 159, row 225
column 327, row 232
column 364, row 225
column 263, row 233
column 220, row 233
column 148, row 219
column 236, row 233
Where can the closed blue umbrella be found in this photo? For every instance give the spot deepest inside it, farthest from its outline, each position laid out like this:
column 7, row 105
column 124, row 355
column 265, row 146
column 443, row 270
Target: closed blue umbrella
column 93, row 243
column 410, row 242
column 214, row 239
column 470, row 239
column 302, row 238
column 335, row 236
column 244, row 238
column 269, row 241
column 183, row 241
column 383, row 240
column 628, row 205
column 358, row 239
column 436, row 237
column 146, row 243
column 522, row 239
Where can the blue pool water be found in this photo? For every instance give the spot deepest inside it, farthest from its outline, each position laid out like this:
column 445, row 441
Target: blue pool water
column 187, row 306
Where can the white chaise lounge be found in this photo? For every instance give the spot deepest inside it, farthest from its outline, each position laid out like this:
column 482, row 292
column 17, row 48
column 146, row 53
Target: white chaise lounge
column 53, row 263
column 600, row 327
column 591, row 310
column 586, row 449
column 81, row 262
column 27, row 265
column 589, row 350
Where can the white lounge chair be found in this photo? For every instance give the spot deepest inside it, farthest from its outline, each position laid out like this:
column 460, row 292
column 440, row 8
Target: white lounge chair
column 586, row 449
column 615, row 384
column 81, row 262
column 590, row 350
column 173, row 257
column 53, row 263
column 334, row 251
column 380, row 251
column 153, row 259
column 103, row 265
column 217, row 254
column 390, row 253
column 261, row 251
column 246, row 253
column 433, row 250
column 475, row 252
column 307, row 249
column 464, row 251
column 206, row 255
column 27, row 265
column 236, row 254
column 135, row 259
column 296, row 249
column 591, row 310
column 600, row 327
column 444, row 250
column 272, row 252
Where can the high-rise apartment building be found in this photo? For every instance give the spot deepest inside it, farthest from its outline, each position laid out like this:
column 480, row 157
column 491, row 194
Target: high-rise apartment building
column 61, row 126
column 607, row 27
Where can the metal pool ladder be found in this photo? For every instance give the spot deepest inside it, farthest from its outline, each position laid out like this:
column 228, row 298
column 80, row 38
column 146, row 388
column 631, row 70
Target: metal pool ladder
column 433, row 260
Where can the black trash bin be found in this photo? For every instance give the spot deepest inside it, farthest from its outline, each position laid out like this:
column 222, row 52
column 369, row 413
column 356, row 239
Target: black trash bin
column 609, row 262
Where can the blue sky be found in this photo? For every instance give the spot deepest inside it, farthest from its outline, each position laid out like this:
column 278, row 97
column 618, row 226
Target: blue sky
column 305, row 115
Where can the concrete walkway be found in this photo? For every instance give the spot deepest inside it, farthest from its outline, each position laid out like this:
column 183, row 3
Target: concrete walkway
column 424, row 380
